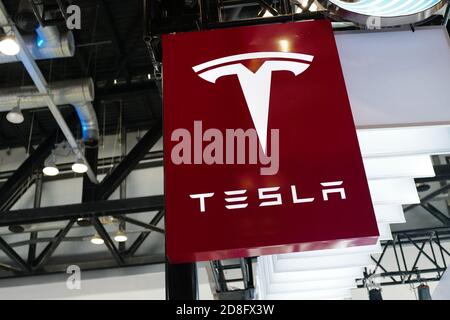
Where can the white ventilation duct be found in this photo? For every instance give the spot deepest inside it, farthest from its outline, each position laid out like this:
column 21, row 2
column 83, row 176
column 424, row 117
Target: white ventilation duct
column 78, row 93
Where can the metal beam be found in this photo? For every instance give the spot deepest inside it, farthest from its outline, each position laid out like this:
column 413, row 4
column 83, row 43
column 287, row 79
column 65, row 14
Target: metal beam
column 23, row 173
column 123, row 185
column 268, row 20
column 144, row 235
column 37, row 204
column 116, row 41
column 8, row 268
column 89, row 188
column 51, row 247
column 65, row 171
column 446, row 14
column 142, row 224
column 14, row 256
column 264, row 4
column 111, row 182
column 445, row 220
column 85, row 263
column 82, row 210
column 429, row 197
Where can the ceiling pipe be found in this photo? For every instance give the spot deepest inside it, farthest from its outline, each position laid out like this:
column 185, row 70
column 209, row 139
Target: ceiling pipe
column 78, row 93
column 46, row 43
column 41, row 83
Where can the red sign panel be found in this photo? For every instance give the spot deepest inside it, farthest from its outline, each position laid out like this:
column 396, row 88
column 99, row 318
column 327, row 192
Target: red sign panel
column 261, row 153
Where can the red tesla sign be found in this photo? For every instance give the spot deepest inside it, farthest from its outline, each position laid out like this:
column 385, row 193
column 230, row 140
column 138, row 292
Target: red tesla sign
column 261, row 153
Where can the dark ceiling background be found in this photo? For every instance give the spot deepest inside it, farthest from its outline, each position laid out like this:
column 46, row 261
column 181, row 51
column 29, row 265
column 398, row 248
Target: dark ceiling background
column 111, row 50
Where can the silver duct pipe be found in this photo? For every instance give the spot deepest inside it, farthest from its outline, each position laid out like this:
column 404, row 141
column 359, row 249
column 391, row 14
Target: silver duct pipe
column 48, row 43
column 88, row 119
column 78, row 93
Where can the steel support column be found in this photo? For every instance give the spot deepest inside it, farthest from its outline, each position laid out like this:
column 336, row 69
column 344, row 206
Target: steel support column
column 181, row 281
column 37, row 204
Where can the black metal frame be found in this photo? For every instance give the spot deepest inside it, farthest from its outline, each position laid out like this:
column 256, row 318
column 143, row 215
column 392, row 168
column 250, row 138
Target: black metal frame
column 94, row 203
column 222, row 283
column 407, row 271
column 41, row 17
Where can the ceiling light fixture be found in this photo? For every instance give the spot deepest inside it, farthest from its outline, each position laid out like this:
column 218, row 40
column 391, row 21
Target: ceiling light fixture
column 9, row 46
column 50, row 168
column 383, row 13
column 96, row 239
column 79, row 166
column 120, row 236
column 15, row 116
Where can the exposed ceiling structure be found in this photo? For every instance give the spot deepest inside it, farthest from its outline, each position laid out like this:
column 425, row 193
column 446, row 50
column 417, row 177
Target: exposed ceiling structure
column 113, row 64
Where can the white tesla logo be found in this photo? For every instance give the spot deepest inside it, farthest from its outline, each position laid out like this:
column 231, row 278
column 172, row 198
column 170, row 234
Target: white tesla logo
column 255, row 86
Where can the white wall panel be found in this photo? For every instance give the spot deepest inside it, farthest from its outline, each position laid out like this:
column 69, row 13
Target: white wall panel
column 397, row 78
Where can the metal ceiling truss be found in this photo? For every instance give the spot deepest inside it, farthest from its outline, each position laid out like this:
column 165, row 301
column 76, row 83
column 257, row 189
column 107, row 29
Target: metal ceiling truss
column 73, row 212
column 169, row 16
column 94, row 205
column 428, row 245
column 151, row 160
column 442, row 175
column 82, row 210
column 24, row 176
column 58, row 12
column 112, row 181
